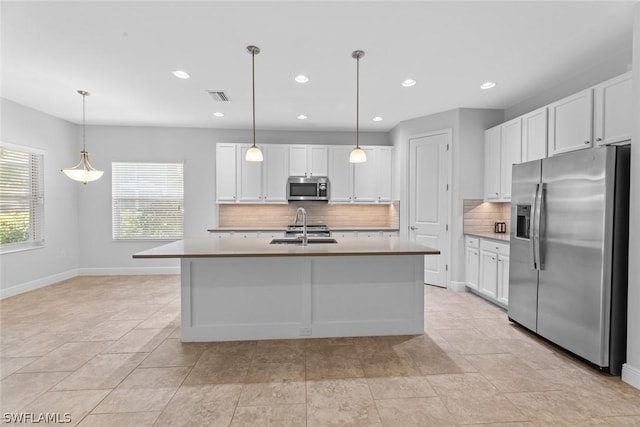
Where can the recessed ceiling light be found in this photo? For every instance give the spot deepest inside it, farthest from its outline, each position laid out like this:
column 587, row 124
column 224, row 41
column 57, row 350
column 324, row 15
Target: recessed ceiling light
column 218, row 114
column 377, row 119
column 181, row 74
column 302, row 117
column 302, row 78
column 409, row 83
column 487, row 85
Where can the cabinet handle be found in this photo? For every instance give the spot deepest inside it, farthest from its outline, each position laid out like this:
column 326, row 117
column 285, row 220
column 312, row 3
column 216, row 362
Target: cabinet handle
column 587, row 142
column 493, row 258
column 497, row 248
column 413, row 227
column 497, row 194
column 598, row 139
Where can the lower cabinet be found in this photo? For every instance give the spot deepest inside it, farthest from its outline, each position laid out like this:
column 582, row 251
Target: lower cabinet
column 487, row 268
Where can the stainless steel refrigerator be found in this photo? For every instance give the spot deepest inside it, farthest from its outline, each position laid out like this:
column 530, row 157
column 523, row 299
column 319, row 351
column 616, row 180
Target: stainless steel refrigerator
column 569, row 252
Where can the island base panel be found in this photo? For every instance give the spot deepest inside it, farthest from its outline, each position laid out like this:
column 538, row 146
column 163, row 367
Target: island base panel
column 227, row 299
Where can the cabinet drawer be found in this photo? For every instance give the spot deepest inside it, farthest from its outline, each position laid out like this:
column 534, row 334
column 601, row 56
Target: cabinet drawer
column 472, row 242
column 493, row 246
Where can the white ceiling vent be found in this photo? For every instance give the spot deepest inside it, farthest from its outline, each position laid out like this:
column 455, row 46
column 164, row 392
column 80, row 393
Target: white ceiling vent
column 218, row 95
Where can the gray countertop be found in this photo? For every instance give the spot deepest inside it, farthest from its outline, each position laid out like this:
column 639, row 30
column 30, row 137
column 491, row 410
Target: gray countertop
column 283, row 229
column 260, row 247
column 503, row 237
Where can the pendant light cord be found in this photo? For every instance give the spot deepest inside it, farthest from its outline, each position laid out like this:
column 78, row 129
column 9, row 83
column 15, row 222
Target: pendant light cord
column 358, row 101
column 253, row 82
column 83, row 123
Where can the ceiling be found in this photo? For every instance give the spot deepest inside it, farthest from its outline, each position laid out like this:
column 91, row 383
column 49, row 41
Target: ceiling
column 124, row 53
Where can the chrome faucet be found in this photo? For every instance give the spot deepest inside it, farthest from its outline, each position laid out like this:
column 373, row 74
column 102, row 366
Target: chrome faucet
column 304, row 224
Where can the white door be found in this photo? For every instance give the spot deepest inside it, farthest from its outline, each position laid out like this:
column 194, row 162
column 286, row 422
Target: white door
column 612, row 102
column 225, row 173
column 364, row 179
column 488, row 273
column 317, row 161
column 472, row 267
column 503, row 279
column 340, row 175
column 492, row 163
column 570, row 121
column 297, row 160
column 510, row 153
column 249, row 178
column 534, row 135
column 383, row 168
column 429, row 159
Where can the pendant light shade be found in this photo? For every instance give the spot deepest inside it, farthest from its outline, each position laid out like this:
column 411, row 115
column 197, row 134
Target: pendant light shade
column 357, row 154
column 83, row 171
column 253, row 154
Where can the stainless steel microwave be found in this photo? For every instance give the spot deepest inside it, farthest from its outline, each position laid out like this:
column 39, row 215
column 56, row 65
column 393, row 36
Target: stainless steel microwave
column 314, row 188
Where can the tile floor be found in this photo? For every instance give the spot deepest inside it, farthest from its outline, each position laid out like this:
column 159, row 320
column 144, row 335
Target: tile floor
column 107, row 352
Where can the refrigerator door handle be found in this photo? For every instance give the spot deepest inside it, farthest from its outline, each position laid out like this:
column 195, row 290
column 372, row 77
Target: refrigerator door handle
column 532, row 244
column 542, row 221
column 538, row 216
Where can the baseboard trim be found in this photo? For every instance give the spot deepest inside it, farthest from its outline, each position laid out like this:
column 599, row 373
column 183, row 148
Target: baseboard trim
column 38, row 283
column 631, row 375
column 128, row 271
column 458, row 286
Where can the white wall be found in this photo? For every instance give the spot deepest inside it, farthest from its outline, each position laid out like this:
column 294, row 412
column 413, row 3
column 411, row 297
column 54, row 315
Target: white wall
column 58, row 260
column 615, row 64
column 631, row 370
column 468, row 127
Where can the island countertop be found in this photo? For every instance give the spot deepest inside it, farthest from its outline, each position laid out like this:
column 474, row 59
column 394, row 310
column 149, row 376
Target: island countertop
column 260, row 247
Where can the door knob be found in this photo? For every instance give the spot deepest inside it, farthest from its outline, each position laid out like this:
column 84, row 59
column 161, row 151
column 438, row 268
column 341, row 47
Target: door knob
column 413, row 227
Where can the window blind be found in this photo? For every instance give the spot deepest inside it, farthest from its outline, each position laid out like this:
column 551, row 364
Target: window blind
column 21, row 198
column 148, row 201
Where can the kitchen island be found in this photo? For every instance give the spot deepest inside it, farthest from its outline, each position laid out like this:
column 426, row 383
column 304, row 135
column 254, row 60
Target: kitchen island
column 246, row 289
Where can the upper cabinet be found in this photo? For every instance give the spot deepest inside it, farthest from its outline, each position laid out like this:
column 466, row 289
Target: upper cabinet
column 534, row 135
column 308, row 160
column 612, row 110
column 240, row 181
column 492, row 169
column 226, row 191
column 510, row 153
column 570, row 123
column 368, row 182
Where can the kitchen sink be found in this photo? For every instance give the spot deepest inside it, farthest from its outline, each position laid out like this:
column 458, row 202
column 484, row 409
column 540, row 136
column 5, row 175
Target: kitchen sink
column 297, row 241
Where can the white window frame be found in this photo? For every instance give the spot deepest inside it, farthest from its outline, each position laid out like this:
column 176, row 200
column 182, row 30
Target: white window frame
column 35, row 199
column 141, row 187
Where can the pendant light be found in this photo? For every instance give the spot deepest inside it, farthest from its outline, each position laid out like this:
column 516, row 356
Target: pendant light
column 357, row 154
column 83, row 171
column 253, row 154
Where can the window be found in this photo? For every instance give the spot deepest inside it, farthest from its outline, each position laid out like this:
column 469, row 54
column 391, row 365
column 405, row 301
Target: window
column 21, row 198
column 148, row 201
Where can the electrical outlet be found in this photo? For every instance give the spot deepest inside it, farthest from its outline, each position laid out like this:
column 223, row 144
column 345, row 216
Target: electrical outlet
column 305, row 332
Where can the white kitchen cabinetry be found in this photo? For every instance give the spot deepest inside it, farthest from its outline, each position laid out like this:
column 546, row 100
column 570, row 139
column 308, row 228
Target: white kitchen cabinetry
column 502, row 148
column 612, row 110
column 368, row 182
column 249, row 177
column 276, row 164
column 226, row 173
column 240, row 181
column 534, row 135
column 472, row 261
column 308, row 160
column 492, row 164
column 510, row 153
column 494, row 271
column 570, row 123
column 340, row 175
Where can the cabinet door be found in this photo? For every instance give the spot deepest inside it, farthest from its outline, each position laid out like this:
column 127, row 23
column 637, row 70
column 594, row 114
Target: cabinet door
column 249, row 178
column 511, row 153
column 492, row 163
column 612, row 114
column 297, row 160
column 340, row 175
column 570, row 122
column 488, row 283
column 503, row 279
column 383, row 167
column 225, row 173
column 276, row 168
column 364, row 179
column 534, row 135
column 472, row 267
column 317, row 160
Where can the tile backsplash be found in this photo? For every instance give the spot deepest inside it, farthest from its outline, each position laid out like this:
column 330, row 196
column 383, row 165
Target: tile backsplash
column 480, row 216
column 336, row 216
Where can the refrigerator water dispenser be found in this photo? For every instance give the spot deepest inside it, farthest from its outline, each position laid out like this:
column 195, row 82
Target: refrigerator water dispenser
column 523, row 221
